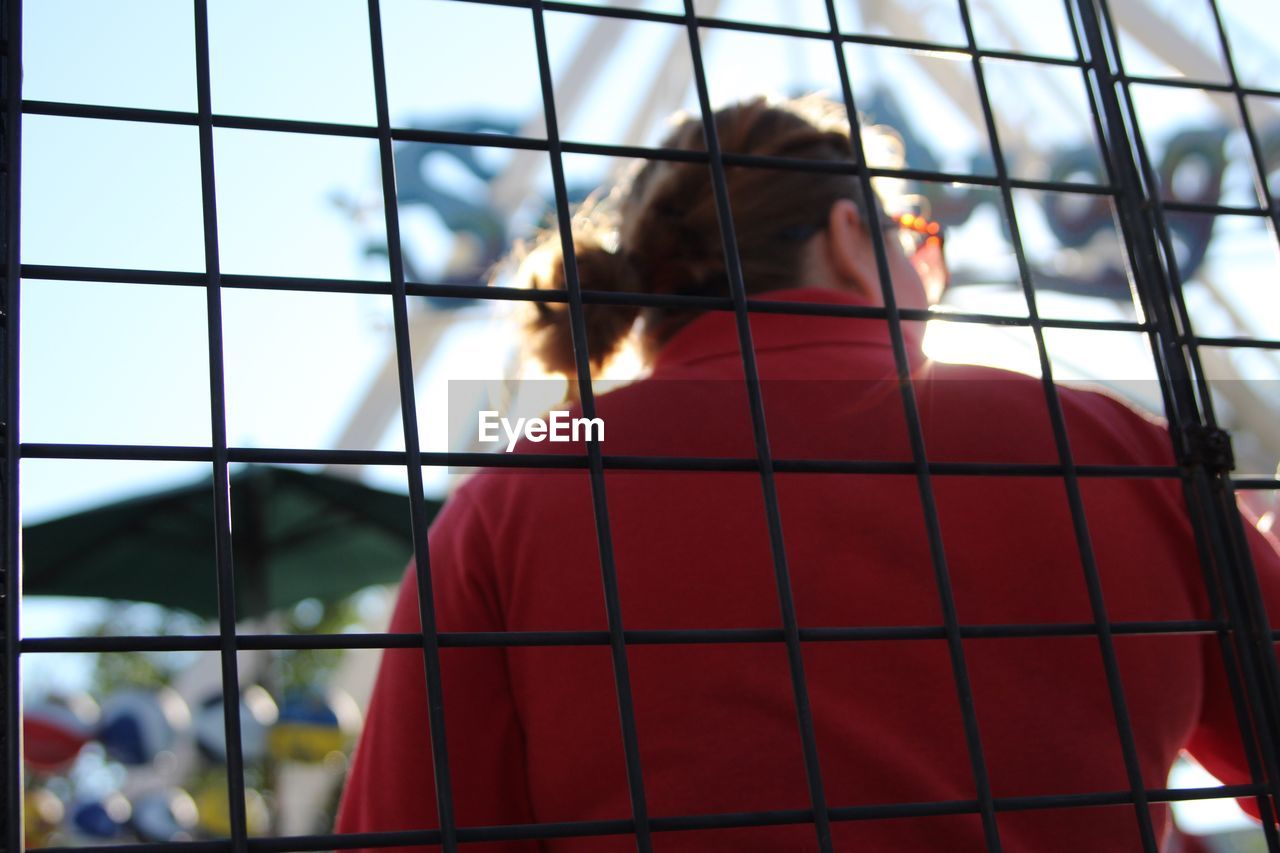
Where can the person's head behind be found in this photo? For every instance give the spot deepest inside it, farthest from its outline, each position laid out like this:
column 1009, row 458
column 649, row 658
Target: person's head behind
column 658, row 232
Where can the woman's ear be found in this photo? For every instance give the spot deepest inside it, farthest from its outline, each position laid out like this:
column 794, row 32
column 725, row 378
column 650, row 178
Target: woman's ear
column 849, row 251
column 851, row 257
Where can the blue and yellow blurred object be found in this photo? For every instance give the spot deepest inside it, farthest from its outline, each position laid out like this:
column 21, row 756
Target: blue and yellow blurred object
column 214, row 809
column 308, row 730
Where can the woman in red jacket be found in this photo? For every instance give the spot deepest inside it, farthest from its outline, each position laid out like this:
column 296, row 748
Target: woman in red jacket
column 828, row 677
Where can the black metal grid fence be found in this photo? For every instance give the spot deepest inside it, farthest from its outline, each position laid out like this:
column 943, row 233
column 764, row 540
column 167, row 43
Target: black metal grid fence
column 1131, row 184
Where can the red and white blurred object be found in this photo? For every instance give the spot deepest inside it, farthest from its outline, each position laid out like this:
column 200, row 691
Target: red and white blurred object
column 55, row 729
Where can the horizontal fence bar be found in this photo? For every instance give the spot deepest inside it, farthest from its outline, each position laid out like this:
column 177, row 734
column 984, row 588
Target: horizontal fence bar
column 685, row 823
column 600, row 149
column 715, row 23
column 1254, row 483
column 1214, row 209
column 678, row 637
column 556, row 461
column 481, row 292
column 1247, row 343
column 1189, row 83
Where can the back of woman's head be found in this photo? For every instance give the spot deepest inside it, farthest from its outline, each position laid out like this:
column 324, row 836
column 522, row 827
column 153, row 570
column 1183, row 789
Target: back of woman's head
column 659, row 233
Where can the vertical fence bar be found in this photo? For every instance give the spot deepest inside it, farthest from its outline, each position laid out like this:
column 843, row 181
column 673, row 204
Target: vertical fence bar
column 924, row 482
column 1070, row 479
column 1224, row 489
column 218, row 433
column 1212, row 484
column 10, row 225
column 1154, row 271
column 1213, row 585
column 773, row 516
column 600, row 508
column 1208, row 491
column 413, row 450
column 1184, row 382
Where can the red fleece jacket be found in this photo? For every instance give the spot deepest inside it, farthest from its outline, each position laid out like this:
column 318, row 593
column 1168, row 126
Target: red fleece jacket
column 533, row 732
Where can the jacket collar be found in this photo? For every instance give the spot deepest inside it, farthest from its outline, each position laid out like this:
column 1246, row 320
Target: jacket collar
column 714, row 334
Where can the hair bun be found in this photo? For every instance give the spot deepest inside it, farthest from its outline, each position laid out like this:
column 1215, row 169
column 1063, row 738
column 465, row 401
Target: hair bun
column 550, row 327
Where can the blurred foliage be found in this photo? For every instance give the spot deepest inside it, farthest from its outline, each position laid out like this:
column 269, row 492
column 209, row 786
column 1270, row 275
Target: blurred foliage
column 115, row 671
column 291, row 670
column 304, row 670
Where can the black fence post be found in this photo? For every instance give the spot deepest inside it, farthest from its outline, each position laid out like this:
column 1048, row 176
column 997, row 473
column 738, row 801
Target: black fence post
column 10, row 532
column 1202, row 449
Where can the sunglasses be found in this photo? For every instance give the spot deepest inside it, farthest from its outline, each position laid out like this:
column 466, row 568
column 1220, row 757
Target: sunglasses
column 915, row 231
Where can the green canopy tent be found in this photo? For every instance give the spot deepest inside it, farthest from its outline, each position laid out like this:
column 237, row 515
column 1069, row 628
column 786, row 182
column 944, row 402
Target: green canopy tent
column 295, row 535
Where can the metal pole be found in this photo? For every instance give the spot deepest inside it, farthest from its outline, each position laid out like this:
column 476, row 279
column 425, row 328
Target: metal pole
column 1210, row 500
column 10, row 174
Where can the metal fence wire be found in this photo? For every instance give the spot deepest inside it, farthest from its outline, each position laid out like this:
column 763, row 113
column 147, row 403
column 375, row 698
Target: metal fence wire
column 1131, row 182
